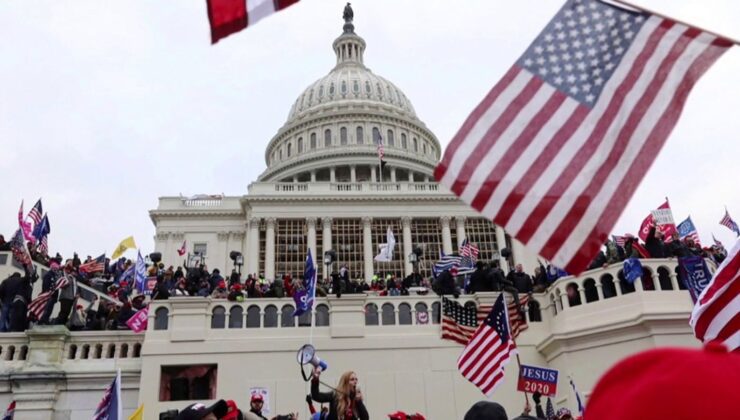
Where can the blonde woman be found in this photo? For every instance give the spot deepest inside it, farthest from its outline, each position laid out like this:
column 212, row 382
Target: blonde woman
column 345, row 402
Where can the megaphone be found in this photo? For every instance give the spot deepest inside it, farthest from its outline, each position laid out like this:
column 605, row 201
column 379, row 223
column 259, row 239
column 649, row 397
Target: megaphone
column 307, row 354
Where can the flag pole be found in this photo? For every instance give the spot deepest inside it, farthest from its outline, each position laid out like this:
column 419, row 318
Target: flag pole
column 508, row 320
column 652, row 12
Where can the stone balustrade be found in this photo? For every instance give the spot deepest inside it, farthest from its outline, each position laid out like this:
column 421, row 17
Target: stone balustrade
column 310, row 188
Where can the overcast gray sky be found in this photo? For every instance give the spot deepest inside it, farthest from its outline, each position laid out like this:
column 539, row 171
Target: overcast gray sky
column 107, row 105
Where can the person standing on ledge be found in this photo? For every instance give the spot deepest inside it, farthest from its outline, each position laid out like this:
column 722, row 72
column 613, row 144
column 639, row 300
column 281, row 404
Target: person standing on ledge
column 345, row 402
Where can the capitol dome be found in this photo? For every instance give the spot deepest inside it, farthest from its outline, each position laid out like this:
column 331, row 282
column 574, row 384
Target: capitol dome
column 334, row 127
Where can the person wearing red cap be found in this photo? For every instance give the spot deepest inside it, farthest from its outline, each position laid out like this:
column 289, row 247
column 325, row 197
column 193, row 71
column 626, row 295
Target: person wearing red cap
column 669, row 383
column 220, row 292
column 232, row 412
column 255, row 408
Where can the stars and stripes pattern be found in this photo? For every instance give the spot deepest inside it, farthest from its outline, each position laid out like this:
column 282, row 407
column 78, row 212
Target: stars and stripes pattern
column 469, row 251
column 549, row 410
column 44, row 245
column 490, row 348
column 619, row 240
column 446, row 262
column 19, row 250
column 94, row 266
column 37, row 306
column 729, row 223
column 110, row 407
column 230, row 16
column 557, row 148
column 35, row 213
column 716, row 315
column 381, row 149
column 460, row 322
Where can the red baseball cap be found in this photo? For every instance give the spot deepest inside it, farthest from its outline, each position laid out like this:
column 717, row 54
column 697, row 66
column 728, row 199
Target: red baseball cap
column 257, row 397
column 669, row 383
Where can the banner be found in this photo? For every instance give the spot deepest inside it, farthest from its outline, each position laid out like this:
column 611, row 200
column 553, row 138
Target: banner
column 632, row 269
column 536, row 379
column 150, row 285
column 694, row 274
column 139, row 321
column 662, row 217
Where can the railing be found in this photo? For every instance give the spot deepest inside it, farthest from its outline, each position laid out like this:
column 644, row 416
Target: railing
column 85, row 345
column 608, row 283
column 202, row 202
column 259, row 188
column 13, row 348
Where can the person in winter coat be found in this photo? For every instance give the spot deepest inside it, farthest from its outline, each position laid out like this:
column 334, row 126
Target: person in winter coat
column 67, row 294
column 346, row 402
column 220, row 292
column 486, row 410
column 521, row 280
column 19, row 305
column 654, row 243
column 9, row 288
column 47, row 283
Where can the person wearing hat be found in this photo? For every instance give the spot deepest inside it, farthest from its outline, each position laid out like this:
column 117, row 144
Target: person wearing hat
column 486, row 410
column 220, row 292
column 200, row 411
column 233, row 412
column 255, row 411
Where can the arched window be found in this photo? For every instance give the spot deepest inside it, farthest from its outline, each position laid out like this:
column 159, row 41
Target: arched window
column 84, row 355
column 72, row 352
column 624, row 285
column 322, row 316
column 327, row 138
column 218, row 317
column 98, row 351
column 161, row 318
column 271, row 316
column 236, row 317
column 253, row 316
column 111, row 352
column 664, row 278
column 607, row 286
column 280, row 154
column 360, row 135
column 290, row 149
column 313, row 140
column 589, row 289
column 404, row 145
column 24, row 353
column 425, row 149
column 533, row 310
column 371, row 314
column 304, row 320
column 286, row 316
column 574, row 297
column 390, row 139
column 376, row 135
column 404, row 314
column 300, row 144
column 137, row 350
column 416, row 145
column 389, row 314
column 422, row 313
column 343, row 136
column 648, row 283
column 124, row 351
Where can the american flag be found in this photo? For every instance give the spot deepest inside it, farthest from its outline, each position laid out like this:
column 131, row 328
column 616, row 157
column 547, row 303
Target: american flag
column 94, row 266
column 717, row 242
column 549, row 410
column 230, row 16
column 686, row 229
column 717, row 312
column 619, row 240
column 35, row 213
column 381, row 149
column 468, row 249
column 44, row 245
column 729, row 223
column 110, row 406
column 19, row 250
column 37, row 306
column 446, row 262
column 460, row 322
column 483, row 360
column 10, row 412
column 557, row 148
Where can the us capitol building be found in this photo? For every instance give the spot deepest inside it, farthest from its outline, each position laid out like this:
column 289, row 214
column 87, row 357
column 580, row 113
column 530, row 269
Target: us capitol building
column 323, row 190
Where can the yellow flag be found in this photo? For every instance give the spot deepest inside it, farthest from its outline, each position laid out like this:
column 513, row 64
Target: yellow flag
column 122, row 247
column 138, row 414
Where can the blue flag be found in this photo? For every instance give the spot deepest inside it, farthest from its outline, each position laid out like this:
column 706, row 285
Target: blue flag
column 304, row 297
column 694, row 274
column 42, row 228
column 140, row 274
column 632, row 269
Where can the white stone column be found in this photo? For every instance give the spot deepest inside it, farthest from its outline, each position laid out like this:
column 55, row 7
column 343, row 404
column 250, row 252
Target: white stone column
column 407, row 244
column 332, row 174
column 411, row 176
column 393, row 174
column 295, row 178
column 352, row 173
column 372, row 174
column 460, row 226
column 236, row 242
column 168, row 248
column 367, row 247
column 313, row 176
column 326, row 243
column 311, row 239
column 270, row 249
column 446, row 235
column 221, row 261
column 253, row 259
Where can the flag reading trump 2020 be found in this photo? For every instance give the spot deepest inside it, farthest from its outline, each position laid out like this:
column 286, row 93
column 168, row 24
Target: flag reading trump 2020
column 557, row 148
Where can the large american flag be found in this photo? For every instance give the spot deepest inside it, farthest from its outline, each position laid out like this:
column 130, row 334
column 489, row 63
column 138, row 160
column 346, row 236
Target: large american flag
column 36, row 212
column 460, row 322
column 37, row 306
column 489, row 350
column 716, row 315
column 556, row 149
column 729, row 223
column 230, row 16
column 94, row 266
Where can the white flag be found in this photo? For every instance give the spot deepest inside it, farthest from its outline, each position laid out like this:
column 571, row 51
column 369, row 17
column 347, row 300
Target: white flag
column 386, row 249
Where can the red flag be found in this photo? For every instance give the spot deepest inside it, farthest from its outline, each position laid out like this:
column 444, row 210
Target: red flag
column 557, row 148
column 231, row 16
column 183, row 249
column 665, row 223
column 716, row 315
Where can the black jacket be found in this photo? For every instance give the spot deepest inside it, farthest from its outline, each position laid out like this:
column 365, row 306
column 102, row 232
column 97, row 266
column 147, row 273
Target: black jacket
column 10, row 287
column 522, row 281
column 655, row 247
column 329, row 397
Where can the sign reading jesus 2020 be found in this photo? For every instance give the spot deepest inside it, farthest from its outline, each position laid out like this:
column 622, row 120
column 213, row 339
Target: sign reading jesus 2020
column 536, row 379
